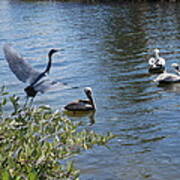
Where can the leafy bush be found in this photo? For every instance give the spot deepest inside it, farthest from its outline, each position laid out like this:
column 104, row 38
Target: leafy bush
column 34, row 142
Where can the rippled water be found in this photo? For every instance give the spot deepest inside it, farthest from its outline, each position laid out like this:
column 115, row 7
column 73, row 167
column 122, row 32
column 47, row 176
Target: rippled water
column 106, row 47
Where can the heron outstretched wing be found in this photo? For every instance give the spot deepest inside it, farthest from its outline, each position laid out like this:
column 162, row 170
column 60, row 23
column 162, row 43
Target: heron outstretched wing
column 46, row 84
column 23, row 71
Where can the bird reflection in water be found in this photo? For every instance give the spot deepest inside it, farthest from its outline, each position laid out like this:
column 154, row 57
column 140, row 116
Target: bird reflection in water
column 173, row 87
column 80, row 114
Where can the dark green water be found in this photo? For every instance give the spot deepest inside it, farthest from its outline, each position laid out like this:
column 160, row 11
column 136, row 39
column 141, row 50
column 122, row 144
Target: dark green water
column 107, row 48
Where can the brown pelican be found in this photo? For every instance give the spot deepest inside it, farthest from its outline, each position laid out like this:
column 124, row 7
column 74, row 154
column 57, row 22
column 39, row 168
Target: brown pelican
column 157, row 64
column 167, row 78
column 82, row 105
column 38, row 81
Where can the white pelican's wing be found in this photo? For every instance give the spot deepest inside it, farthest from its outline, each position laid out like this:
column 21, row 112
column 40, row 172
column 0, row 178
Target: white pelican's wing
column 151, row 61
column 167, row 77
column 161, row 61
column 23, row 71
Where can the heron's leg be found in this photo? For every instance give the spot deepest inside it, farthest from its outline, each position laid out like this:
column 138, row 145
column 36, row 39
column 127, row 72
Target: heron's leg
column 26, row 101
column 31, row 102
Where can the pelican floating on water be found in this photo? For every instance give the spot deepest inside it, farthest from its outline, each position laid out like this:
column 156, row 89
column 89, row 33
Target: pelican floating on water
column 83, row 105
column 38, row 81
column 157, row 63
column 176, row 68
column 168, row 78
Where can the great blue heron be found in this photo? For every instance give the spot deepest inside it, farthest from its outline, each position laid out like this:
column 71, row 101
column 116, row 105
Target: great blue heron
column 168, row 78
column 38, row 81
column 83, row 105
column 157, row 63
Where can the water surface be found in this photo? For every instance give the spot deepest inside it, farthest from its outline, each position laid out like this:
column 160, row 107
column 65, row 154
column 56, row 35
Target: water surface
column 106, row 47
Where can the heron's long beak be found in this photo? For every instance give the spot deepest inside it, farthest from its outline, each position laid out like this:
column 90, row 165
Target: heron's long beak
column 58, row 50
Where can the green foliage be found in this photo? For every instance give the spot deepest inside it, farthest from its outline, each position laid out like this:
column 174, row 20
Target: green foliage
column 34, row 142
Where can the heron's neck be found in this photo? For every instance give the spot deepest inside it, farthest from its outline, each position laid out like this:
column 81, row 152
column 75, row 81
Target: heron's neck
column 46, row 70
column 49, row 63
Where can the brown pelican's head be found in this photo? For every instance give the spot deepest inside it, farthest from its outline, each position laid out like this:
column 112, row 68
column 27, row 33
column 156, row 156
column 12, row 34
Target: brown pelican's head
column 89, row 94
column 88, row 91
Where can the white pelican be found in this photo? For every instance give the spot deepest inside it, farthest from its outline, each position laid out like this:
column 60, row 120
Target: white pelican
column 38, row 81
column 176, row 68
column 82, row 105
column 157, row 64
column 167, row 78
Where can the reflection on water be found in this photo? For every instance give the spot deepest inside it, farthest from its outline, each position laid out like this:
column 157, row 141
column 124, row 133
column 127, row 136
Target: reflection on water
column 106, row 47
column 80, row 114
column 173, row 87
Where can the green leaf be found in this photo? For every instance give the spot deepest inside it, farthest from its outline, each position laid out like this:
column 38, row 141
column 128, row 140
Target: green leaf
column 33, row 176
column 4, row 101
column 5, row 175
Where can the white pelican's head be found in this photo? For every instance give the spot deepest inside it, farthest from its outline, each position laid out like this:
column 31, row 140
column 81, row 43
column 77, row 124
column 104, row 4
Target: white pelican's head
column 175, row 66
column 156, row 51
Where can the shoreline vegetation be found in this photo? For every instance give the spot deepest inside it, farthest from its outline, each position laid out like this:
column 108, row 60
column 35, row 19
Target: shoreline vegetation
column 38, row 143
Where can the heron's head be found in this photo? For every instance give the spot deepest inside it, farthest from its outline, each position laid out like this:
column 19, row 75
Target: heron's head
column 88, row 91
column 52, row 51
